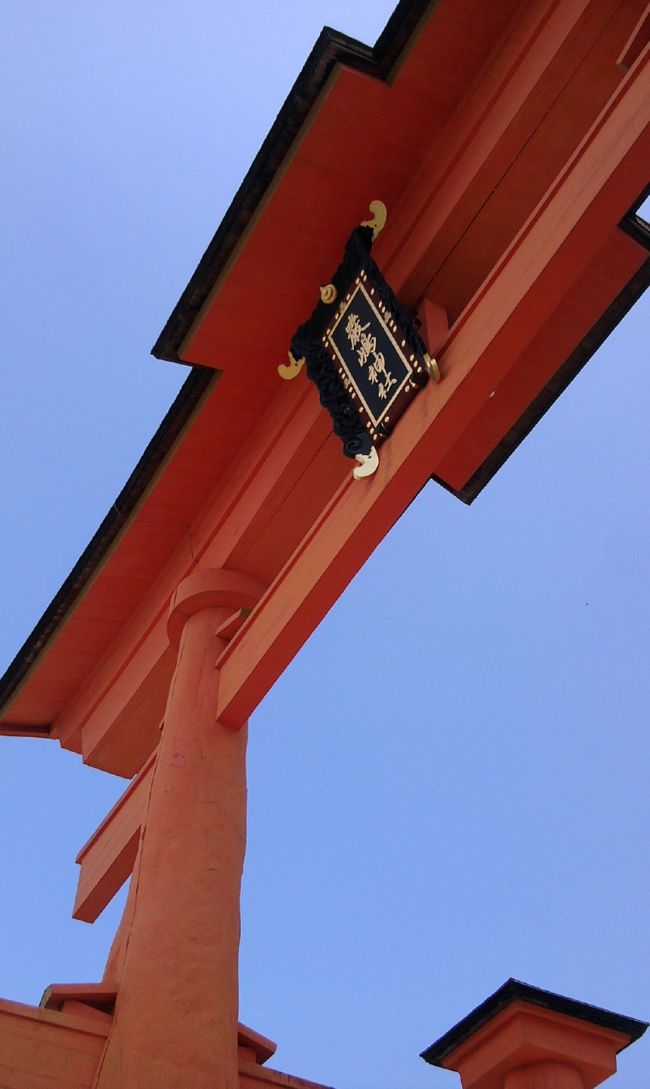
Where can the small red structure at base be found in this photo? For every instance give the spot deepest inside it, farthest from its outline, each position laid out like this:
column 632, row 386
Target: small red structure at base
column 522, row 1037
column 510, row 143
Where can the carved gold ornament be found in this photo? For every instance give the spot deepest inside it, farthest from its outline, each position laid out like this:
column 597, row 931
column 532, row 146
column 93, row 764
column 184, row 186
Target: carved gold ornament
column 432, row 368
column 378, row 221
column 368, row 464
column 328, row 293
column 291, row 369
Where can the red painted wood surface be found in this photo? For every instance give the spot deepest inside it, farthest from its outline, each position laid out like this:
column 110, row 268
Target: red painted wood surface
column 180, row 956
column 474, row 174
column 41, row 1048
column 508, row 143
column 107, row 859
column 529, row 1047
column 466, row 175
column 48, row 1048
column 543, row 265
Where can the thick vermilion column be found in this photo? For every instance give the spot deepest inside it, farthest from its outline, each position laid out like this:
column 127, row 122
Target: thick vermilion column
column 175, row 963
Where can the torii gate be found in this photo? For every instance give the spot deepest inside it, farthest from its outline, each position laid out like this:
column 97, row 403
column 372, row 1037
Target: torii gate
column 511, row 160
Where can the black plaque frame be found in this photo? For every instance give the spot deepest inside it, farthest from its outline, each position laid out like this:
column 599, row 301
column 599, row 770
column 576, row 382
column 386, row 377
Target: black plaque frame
column 385, row 351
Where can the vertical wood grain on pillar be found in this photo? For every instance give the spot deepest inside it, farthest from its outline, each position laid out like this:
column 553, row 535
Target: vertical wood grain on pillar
column 176, row 1015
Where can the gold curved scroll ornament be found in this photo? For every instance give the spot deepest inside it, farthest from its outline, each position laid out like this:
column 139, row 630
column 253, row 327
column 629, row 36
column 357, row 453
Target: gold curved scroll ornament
column 379, row 216
column 292, row 368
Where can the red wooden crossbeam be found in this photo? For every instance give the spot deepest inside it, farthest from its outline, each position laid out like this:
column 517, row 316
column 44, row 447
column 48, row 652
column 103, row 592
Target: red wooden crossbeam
column 550, row 253
column 107, row 859
column 565, row 266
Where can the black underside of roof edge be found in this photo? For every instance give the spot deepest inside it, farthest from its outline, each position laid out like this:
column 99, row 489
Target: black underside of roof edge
column 331, row 48
column 514, row 990
column 198, row 384
column 191, row 393
column 562, row 378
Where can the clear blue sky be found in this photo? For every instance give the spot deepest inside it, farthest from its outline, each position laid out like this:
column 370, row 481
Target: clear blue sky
column 412, row 843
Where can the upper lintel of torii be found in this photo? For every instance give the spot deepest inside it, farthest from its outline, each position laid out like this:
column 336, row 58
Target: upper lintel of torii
column 511, row 160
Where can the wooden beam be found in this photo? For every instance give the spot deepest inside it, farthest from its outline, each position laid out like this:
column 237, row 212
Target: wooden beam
column 97, row 996
column 116, row 694
column 466, row 162
column 283, row 451
column 254, row 1076
column 46, row 1048
column 277, row 454
column 546, row 365
column 637, row 41
column 123, row 729
column 107, row 859
column 558, row 242
column 101, row 997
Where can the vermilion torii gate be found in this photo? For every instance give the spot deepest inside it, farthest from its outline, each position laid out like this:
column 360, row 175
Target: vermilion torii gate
column 511, row 161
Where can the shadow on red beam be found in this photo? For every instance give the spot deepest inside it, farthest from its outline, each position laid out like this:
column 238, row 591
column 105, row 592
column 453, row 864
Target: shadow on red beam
column 550, row 253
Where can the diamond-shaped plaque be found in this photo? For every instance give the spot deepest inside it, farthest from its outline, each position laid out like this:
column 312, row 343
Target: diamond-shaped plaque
column 377, row 367
column 362, row 350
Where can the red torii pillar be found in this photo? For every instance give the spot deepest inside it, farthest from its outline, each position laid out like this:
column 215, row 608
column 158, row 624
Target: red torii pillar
column 512, row 217
column 176, row 1013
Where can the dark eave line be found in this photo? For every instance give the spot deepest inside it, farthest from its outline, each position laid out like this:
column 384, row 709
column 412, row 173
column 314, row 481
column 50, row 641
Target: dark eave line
column 635, row 225
column 637, row 229
column 512, row 991
column 572, row 366
column 331, row 48
column 191, row 393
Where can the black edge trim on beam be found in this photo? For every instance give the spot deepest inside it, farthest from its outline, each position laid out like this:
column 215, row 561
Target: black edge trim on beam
column 572, row 366
column 191, row 393
column 513, row 990
column 635, row 225
column 331, row 48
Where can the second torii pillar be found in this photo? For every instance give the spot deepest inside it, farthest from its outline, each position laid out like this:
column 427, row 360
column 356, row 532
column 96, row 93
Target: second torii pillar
column 175, row 961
